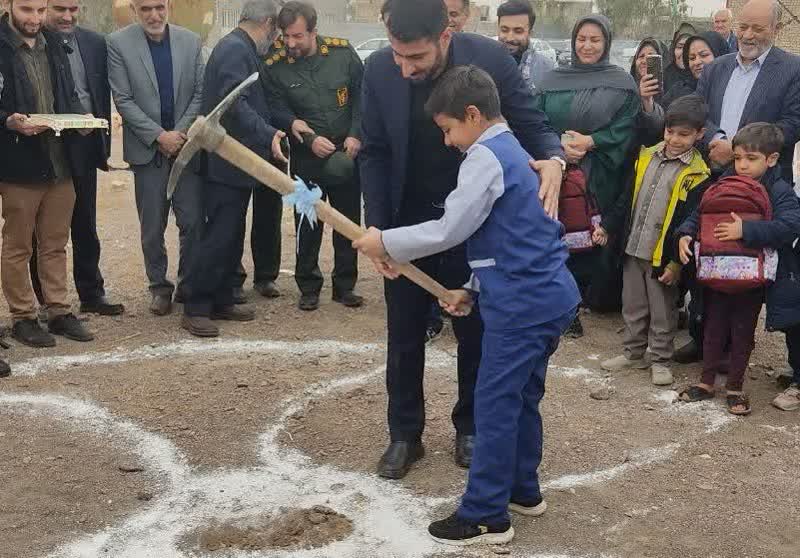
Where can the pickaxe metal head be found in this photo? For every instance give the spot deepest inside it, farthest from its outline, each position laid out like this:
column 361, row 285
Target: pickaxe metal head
column 206, row 133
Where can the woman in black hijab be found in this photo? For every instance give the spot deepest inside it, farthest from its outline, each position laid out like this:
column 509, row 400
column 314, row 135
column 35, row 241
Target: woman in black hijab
column 698, row 52
column 674, row 66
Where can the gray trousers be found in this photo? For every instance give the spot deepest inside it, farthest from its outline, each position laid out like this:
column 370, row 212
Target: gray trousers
column 153, row 208
column 650, row 311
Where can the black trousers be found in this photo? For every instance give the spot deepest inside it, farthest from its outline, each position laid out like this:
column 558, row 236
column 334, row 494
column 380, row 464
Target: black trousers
column 793, row 345
column 408, row 308
column 217, row 250
column 85, row 244
column 265, row 237
column 308, row 276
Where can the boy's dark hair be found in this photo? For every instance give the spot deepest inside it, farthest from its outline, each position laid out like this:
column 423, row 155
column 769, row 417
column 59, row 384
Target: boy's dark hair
column 690, row 111
column 293, row 10
column 412, row 20
column 461, row 87
column 761, row 137
column 517, row 7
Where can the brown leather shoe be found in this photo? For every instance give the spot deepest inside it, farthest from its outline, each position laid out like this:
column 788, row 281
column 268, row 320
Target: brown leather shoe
column 161, row 305
column 233, row 314
column 199, row 326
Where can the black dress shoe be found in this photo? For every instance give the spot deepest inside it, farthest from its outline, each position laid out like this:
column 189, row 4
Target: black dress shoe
column 102, row 307
column 233, row 314
column 349, row 299
column 5, row 369
column 70, row 327
column 267, row 289
column 464, row 445
column 308, row 302
column 239, row 296
column 398, row 459
column 30, row 333
column 161, row 305
column 688, row 354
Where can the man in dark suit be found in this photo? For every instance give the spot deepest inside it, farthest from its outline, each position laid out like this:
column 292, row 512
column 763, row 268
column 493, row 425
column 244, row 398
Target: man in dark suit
column 211, row 277
column 86, row 51
column 407, row 173
column 759, row 83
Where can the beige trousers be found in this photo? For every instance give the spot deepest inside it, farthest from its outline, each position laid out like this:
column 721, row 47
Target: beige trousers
column 650, row 311
column 46, row 209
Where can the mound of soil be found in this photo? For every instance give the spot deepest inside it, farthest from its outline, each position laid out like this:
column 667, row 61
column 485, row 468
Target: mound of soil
column 292, row 529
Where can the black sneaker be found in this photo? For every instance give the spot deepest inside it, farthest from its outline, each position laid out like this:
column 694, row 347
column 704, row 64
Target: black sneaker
column 433, row 330
column 531, row 508
column 70, row 327
column 30, row 333
column 5, row 369
column 458, row 532
column 575, row 329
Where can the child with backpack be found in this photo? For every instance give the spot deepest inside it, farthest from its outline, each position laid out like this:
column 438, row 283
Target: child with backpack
column 667, row 182
column 744, row 223
column 526, row 294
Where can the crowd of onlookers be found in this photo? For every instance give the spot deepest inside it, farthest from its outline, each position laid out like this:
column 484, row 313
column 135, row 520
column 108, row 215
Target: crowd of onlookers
column 620, row 133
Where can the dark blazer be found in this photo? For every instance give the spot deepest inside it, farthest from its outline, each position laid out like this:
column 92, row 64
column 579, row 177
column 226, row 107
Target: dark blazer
column 93, row 150
column 775, row 96
column 25, row 159
column 248, row 120
column 385, row 117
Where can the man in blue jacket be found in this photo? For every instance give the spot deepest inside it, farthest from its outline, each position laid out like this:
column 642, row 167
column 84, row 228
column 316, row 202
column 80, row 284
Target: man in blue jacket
column 407, row 172
column 212, row 274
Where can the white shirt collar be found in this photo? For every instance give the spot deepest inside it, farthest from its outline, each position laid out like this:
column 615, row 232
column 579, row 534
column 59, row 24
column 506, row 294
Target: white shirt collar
column 493, row 131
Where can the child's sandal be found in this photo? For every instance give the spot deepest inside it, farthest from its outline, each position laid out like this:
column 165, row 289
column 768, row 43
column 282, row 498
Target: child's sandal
column 694, row 394
column 738, row 404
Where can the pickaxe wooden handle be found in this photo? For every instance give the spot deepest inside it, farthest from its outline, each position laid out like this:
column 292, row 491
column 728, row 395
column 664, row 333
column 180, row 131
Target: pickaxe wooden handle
column 250, row 162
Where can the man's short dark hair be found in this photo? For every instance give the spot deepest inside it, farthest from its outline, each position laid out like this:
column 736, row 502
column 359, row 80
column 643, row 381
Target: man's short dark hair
column 412, row 20
column 517, row 7
column 760, row 137
column 385, row 9
column 690, row 111
column 461, row 87
column 293, row 10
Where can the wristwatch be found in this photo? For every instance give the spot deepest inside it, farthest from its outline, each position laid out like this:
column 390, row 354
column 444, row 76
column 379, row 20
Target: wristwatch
column 560, row 160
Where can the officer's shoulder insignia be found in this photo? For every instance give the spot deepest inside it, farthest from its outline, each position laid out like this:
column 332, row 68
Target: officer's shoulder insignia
column 323, row 50
column 290, row 60
column 336, row 42
column 269, row 62
column 278, row 44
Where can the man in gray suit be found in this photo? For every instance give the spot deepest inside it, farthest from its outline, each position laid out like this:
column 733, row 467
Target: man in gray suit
column 156, row 75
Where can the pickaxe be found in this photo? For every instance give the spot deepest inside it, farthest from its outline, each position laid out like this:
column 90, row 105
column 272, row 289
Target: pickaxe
column 208, row 134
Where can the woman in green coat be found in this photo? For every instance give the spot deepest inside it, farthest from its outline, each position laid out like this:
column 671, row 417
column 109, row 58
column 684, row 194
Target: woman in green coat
column 594, row 105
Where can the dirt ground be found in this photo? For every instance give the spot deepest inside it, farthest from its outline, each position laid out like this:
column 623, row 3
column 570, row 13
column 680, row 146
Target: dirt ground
column 149, row 443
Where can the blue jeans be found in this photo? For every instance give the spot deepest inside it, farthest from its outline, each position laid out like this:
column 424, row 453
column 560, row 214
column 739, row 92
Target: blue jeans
column 508, row 426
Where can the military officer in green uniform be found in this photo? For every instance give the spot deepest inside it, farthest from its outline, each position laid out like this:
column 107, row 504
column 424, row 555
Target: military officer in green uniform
column 315, row 87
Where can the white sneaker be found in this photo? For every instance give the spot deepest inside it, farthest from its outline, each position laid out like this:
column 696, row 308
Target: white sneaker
column 622, row 362
column 661, row 375
column 535, row 510
column 789, row 400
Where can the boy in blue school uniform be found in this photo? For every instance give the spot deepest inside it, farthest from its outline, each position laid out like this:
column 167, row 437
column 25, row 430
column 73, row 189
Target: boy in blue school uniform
column 526, row 294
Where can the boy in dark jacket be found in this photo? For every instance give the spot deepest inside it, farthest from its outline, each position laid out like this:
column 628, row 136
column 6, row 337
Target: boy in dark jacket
column 668, row 179
column 757, row 149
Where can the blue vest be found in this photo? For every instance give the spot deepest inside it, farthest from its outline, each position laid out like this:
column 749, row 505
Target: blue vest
column 518, row 254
